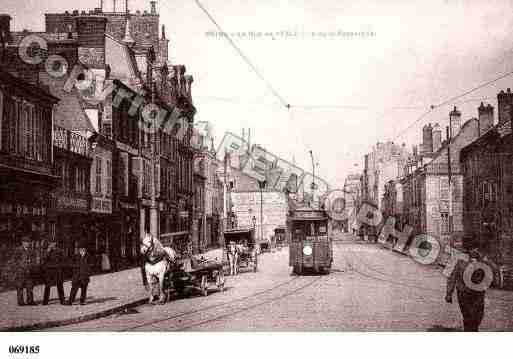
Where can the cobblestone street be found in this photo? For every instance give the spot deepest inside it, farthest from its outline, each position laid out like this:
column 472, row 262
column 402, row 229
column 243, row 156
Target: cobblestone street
column 370, row 288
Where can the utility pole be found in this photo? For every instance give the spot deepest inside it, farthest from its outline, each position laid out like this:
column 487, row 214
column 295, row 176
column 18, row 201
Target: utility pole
column 261, row 185
column 154, row 227
column 224, row 222
column 449, row 172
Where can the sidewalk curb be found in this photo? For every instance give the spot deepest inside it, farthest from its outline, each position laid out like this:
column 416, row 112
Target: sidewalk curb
column 79, row 319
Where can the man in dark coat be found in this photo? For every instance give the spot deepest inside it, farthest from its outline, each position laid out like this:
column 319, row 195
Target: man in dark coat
column 471, row 302
column 81, row 273
column 25, row 261
column 53, row 265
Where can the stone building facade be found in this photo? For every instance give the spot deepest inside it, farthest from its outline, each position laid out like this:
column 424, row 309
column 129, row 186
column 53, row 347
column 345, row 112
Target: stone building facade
column 426, row 192
column 488, row 191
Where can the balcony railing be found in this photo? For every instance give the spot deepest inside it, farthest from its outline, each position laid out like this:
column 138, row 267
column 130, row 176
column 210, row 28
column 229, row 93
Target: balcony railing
column 442, row 168
column 70, row 141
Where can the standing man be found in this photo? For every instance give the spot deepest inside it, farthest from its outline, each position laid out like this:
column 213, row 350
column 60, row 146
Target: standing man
column 471, row 302
column 53, row 265
column 81, row 274
column 25, row 261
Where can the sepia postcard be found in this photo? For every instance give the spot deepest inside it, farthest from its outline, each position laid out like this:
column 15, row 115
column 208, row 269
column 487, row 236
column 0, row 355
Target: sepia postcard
column 255, row 166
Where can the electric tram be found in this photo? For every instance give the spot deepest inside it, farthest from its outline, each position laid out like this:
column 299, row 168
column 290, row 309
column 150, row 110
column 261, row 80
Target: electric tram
column 310, row 247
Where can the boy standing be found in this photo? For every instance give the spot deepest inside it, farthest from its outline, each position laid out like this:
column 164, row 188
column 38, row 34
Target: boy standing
column 53, row 272
column 81, row 274
column 25, row 262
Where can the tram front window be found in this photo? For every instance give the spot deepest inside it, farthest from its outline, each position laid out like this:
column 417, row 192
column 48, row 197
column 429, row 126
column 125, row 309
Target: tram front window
column 323, row 230
column 299, row 232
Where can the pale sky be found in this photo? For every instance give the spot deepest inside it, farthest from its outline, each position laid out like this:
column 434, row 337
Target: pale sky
column 422, row 53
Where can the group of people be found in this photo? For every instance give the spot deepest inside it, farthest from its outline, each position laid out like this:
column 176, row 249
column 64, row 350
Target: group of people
column 52, row 268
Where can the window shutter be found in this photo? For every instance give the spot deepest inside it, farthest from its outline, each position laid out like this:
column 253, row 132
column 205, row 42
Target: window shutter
column 137, row 172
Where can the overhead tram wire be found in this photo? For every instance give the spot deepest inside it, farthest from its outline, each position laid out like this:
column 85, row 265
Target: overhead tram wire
column 451, row 100
column 244, row 57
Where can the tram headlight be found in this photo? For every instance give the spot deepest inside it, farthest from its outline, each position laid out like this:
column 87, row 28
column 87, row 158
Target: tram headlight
column 307, row 250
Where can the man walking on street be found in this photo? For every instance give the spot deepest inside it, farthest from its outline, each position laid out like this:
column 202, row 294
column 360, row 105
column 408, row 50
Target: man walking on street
column 80, row 276
column 24, row 259
column 471, row 302
column 52, row 272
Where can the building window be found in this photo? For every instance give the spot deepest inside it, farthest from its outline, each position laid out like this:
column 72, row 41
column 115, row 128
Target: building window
column 444, row 188
column 80, row 179
column 146, row 177
column 98, row 175
column 108, row 179
column 444, row 227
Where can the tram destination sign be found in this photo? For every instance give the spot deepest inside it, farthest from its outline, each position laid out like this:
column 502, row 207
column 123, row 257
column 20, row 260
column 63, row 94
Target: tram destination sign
column 308, row 215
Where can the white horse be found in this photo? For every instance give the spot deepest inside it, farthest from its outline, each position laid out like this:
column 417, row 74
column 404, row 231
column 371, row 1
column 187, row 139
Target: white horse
column 157, row 260
column 233, row 258
column 234, row 255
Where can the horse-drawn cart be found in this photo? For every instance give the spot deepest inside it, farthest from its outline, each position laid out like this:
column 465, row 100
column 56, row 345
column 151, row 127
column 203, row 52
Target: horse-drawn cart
column 189, row 272
column 280, row 237
column 241, row 249
column 165, row 268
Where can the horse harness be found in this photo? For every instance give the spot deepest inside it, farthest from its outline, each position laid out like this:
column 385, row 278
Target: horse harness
column 154, row 260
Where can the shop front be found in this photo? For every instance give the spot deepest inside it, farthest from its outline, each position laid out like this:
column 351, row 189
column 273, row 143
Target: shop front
column 100, row 229
column 23, row 211
column 71, row 221
column 129, row 234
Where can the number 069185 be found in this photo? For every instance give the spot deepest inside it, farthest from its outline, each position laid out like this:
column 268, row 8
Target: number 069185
column 23, row 349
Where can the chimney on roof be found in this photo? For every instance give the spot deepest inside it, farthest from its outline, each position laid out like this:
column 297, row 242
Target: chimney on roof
column 153, row 7
column 5, row 28
column 437, row 137
column 485, row 118
column 455, row 121
column 427, row 139
column 505, row 101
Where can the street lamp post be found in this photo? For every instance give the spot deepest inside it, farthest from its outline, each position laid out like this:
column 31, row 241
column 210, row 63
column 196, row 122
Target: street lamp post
column 261, row 185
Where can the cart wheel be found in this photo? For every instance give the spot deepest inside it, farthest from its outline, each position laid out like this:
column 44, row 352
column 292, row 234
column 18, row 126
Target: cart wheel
column 204, row 285
column 220, row 281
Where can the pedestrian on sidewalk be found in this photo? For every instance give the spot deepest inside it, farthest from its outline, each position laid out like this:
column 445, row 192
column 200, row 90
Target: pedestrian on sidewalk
column 81, row 273
column 471, row 302
column 53, row 266
column 25, row 262
column 105, row 261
